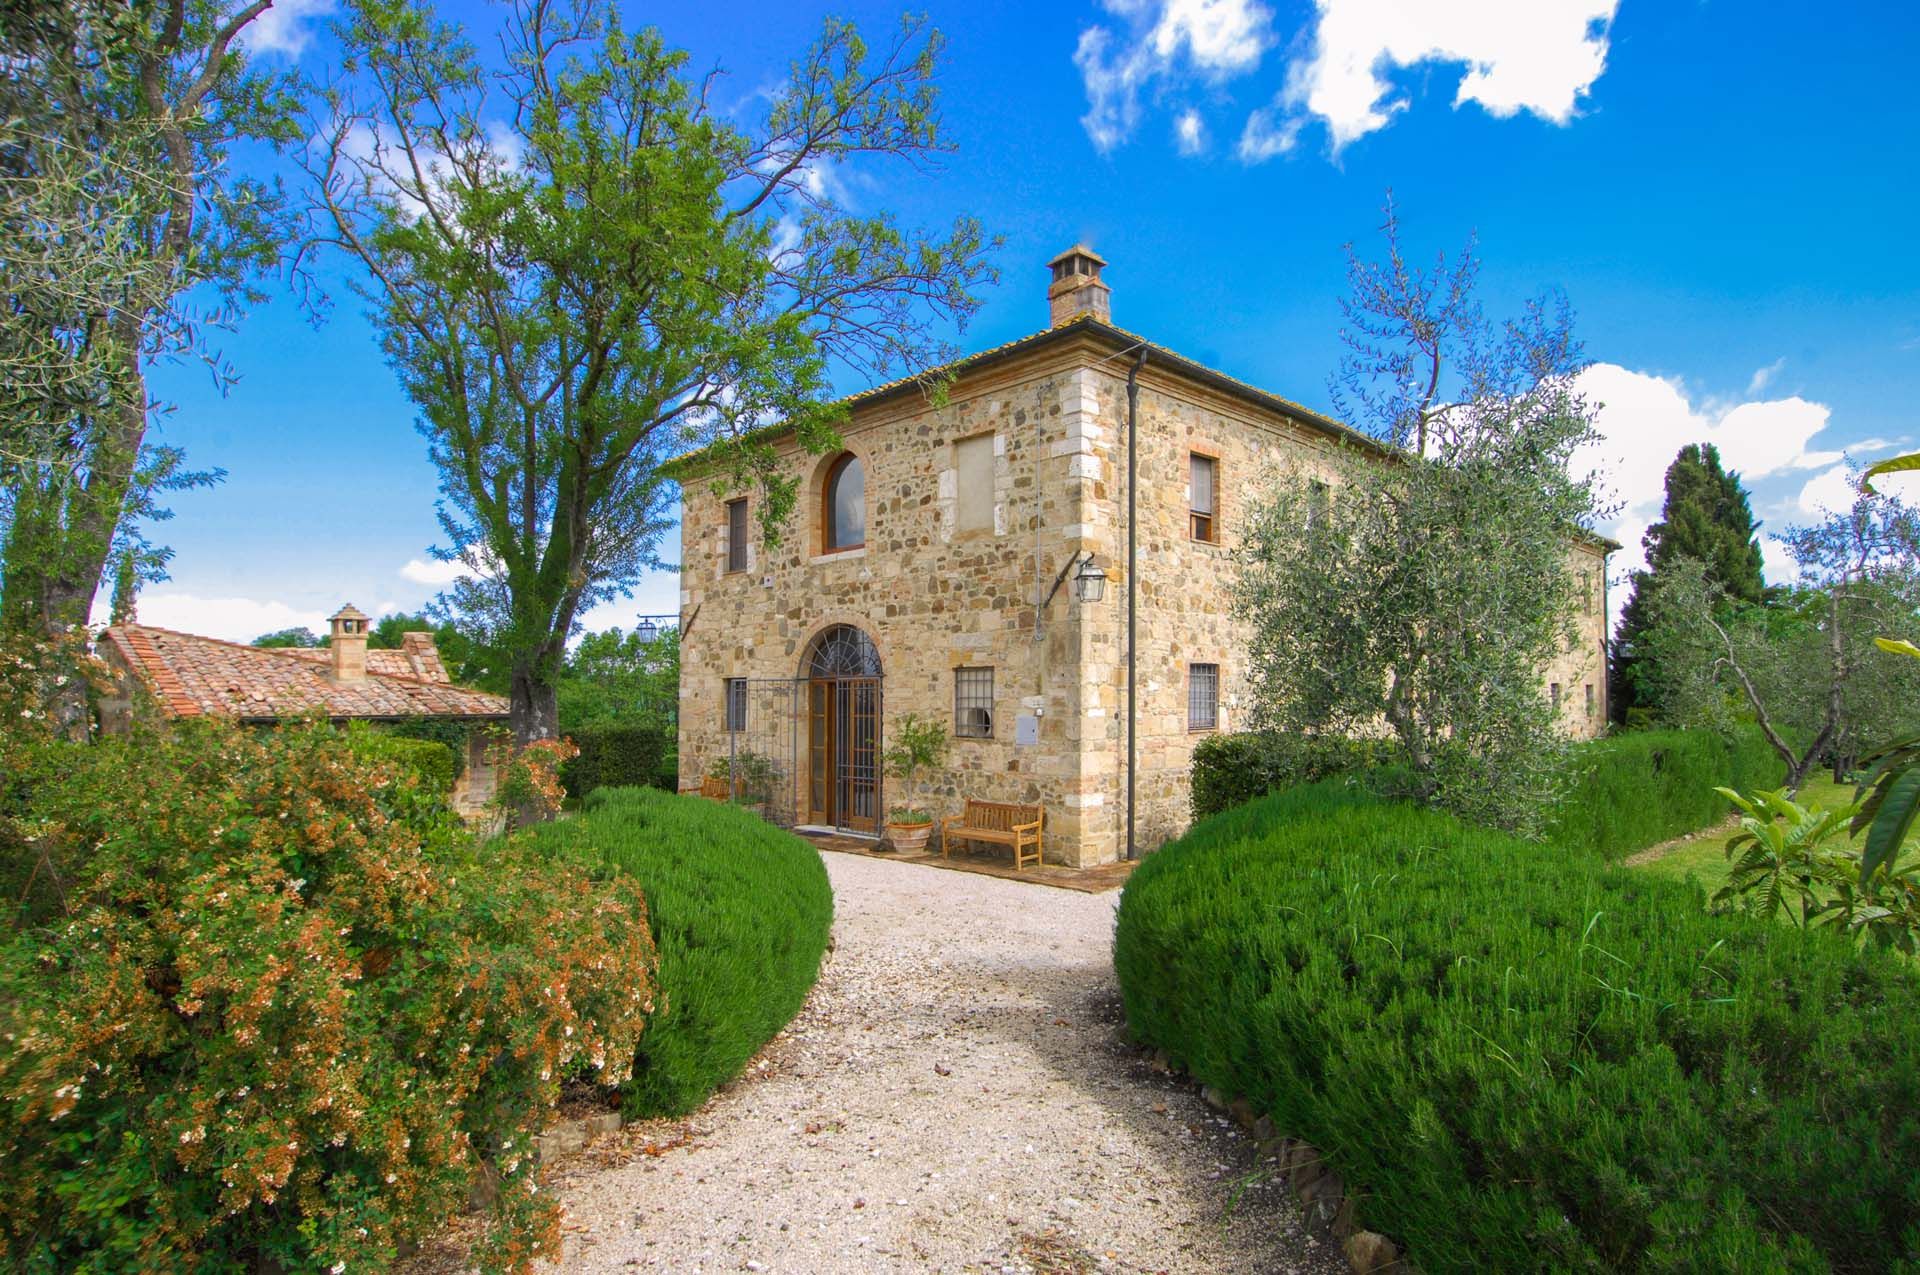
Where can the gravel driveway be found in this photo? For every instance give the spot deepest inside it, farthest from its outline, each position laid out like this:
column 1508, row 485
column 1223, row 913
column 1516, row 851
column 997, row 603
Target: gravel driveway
column 957, row 1095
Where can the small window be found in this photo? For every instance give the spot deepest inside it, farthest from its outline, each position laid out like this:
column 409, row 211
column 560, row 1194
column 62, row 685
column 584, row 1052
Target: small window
column 1586, row 593
column 1554, row 691
column 736, row 535
column 973, row 703
column 1203, row 475
column 1319, row 495
column 843, row 505
column 1203, row 696
column 736, row 703
column 973, row 483
column 1589, row 699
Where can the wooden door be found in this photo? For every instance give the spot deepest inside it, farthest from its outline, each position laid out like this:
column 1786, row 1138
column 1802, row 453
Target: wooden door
column 820, row 751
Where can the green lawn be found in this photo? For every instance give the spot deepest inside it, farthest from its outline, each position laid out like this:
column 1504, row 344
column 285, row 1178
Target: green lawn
column 1703, row 855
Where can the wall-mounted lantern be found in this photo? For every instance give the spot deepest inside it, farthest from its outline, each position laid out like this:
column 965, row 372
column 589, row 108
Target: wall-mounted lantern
column 1090, row 582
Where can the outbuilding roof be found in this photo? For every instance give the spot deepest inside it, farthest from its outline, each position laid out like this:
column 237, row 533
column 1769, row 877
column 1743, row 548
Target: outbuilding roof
column 194, row 676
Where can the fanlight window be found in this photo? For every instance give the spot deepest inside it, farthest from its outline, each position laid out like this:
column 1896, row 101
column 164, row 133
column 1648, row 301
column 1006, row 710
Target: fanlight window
column 844, row 505
column 843, row 651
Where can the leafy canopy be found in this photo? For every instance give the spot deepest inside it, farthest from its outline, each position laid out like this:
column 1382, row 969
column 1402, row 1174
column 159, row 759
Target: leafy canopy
column 580, row 267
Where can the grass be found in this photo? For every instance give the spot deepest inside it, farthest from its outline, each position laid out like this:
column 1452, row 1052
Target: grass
column 1702, row 857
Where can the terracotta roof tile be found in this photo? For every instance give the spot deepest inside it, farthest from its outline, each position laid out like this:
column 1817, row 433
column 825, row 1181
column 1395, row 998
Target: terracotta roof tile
column 195, row 676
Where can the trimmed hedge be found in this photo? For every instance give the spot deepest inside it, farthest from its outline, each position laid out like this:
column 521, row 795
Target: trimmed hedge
column 435, row 764
column 1638, row 789
column 620, row 757
column 1629, row 791
column 1231, row 770
column 1520, row 1059
column 741, row 912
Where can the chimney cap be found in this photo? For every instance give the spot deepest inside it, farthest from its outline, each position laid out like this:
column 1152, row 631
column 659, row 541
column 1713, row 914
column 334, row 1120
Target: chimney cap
column 349, row 612
column 1079, row 250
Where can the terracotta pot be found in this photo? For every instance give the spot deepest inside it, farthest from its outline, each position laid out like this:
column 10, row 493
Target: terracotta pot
column 908, row 837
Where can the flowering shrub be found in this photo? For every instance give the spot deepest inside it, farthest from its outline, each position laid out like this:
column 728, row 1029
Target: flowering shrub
column 276, row 1018
column 529, row 788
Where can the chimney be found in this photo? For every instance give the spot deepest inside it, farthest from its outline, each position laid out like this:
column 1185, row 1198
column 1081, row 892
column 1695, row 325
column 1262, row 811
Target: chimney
column 349, row 645
column 423, row 656
column 1076, row 288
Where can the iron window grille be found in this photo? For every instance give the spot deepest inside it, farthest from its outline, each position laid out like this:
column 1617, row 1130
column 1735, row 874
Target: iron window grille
column 736, row 535
column 1318, row 497
column 1203, row 697
column 1554, row 690
column 736, row 704
column 1589, row 699
column 1201, row 476
column 973, row 703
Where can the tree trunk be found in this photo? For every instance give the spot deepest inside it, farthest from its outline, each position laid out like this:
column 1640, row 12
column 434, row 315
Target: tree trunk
column 536, row 704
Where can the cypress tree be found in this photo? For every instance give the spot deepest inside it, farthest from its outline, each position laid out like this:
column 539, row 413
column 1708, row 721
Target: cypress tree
column 1706, row 517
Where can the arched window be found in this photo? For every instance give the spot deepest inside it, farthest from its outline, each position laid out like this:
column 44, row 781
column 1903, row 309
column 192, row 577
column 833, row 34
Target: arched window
column 843, row 651
column 843, row 505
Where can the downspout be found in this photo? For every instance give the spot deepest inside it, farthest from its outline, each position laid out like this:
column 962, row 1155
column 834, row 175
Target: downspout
column 1133, row 578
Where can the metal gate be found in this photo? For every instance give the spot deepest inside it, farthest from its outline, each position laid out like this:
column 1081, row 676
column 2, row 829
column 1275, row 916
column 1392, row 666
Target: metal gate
column 807, row 752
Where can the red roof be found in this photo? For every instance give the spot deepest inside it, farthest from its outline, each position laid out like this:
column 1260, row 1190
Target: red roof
column 195, row 676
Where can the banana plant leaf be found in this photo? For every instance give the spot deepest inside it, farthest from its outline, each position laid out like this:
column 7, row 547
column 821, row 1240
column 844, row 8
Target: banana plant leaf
column 1896, row 465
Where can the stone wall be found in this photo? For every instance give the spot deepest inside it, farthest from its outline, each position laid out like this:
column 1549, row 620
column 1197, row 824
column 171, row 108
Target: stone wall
column 932, row 598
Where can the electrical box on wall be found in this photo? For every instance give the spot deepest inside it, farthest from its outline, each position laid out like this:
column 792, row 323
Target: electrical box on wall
column 1026, row 729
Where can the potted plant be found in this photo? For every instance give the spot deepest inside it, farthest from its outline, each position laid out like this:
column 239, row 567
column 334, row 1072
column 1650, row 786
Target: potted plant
column 917, row 743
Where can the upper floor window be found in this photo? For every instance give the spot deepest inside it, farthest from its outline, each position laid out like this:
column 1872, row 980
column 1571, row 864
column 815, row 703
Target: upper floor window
column 1319, row 498
column 1203, row 482
column 843, row 506
column 973, row 483
column 736, row 535
column 1203, row 697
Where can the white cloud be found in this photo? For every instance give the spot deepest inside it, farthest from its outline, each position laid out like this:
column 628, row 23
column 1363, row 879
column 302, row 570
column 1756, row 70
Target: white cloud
column 1266, row 135
column 1831, row 492
column 440, row 573
column 1645, row 419
column 433, row 571
column 1538, row 56
column 1541, row 57
column 235, row 619
column 1190, row 133
column 1763, row 377
column 1213, row 39
column 286, row 27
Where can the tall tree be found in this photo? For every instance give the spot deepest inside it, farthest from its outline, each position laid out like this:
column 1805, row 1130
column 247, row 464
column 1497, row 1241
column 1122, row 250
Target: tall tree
column 1432, row 590
column 1706, row 518
column 128, row 234
column 579, row 267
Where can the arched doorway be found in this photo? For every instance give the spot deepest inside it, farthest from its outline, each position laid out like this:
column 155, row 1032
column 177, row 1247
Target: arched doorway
column 842, row 670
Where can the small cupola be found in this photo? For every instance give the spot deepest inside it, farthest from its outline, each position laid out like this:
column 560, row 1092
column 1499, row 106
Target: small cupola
column 348, row 644
column 1076, row 288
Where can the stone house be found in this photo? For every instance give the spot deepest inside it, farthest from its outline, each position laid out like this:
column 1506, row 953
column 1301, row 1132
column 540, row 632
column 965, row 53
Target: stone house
column 964, row 558
column 171, row 675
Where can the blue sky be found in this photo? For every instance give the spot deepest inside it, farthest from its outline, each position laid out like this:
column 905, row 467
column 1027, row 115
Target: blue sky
column 1724, row 191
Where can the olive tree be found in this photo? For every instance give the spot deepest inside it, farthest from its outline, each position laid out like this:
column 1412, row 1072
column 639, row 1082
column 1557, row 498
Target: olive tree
column 129, row 234
column 579, row 267
column 1802, row 666
column 1424, row 595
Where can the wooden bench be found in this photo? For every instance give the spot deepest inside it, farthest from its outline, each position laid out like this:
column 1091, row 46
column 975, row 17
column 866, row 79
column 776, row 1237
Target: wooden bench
column 1003, row 823
column 710, row 786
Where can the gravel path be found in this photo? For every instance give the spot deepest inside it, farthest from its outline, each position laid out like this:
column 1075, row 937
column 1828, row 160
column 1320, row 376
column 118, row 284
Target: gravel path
column 957, row 1095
